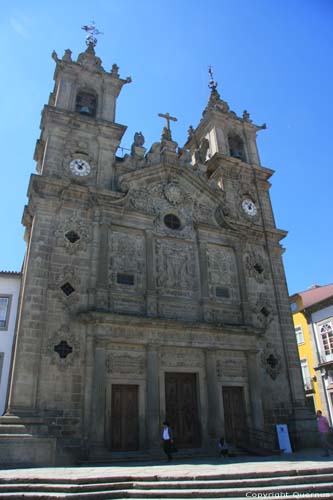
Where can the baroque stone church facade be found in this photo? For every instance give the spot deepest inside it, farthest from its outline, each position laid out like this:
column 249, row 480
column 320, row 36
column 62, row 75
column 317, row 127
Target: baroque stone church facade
column 153, row 284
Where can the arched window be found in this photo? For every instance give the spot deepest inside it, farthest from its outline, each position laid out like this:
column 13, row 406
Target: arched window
column 327, row 338
column 86, row 104
column 236, row 147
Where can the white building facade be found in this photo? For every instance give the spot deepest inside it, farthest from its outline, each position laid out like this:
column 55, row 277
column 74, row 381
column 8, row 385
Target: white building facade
column 10, row 283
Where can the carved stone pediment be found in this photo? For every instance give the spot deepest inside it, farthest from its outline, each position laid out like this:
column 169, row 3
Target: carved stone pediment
column 155, row 191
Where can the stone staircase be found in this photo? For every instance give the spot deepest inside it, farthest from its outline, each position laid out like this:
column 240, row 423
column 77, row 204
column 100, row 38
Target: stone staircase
column 287, row 484
column 25, row 441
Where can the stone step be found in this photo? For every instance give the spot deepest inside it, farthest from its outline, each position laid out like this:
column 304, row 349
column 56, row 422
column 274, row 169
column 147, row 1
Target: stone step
column 304, row 486
column 12, row 429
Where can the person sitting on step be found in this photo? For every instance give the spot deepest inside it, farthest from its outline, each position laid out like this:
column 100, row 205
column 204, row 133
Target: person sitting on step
column 223, row 448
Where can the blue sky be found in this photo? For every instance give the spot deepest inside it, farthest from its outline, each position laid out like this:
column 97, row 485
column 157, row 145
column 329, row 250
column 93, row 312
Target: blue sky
column 273, row 58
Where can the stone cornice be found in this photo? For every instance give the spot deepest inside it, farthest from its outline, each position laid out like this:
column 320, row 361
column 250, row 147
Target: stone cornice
column 153, row 323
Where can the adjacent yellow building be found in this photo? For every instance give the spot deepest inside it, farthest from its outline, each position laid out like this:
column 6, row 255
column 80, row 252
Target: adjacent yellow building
column 312, row 316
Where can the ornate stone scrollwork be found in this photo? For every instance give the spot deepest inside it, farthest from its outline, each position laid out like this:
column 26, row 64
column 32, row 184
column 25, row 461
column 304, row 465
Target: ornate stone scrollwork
column 263, row 312
column 62, row 348
column 256, row 266
column 271, row 361
column 73, row 234
column 173, row 193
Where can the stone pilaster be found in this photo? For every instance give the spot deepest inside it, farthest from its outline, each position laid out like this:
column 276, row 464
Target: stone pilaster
column 255, row 391
column 98, row 399
column 153, row 398
column 215, row 419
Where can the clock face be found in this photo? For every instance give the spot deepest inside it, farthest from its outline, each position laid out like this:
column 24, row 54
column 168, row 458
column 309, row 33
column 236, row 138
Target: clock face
column 80, row 167
column 249, row 207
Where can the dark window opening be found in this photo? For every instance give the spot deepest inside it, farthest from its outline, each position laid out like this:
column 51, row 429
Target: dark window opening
column 67, row 289
column 86, row 104
column 72, row 236
column 222, row 292
column 125, row 279
column 264, row 311
column 63, row 349
column 236, row 147
column 272, row 361
column 259, row 268
column 172, row 221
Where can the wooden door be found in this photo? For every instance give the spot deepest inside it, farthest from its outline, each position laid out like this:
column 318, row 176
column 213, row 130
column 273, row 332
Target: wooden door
column 234, row 413
column 182, row 408
column 124, row 418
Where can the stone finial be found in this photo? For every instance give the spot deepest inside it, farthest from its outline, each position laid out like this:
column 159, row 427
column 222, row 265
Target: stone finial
column 55, row 56
column 114, row 70
column 67, row 56
column 246, row 116
column 139, row 139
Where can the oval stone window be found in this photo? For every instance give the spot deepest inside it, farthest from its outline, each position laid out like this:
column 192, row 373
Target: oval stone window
column 172, row 221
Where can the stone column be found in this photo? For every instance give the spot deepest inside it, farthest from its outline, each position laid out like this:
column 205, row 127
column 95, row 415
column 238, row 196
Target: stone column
column 255, row 390
column 215, row 420
column 98, row 399
column 153, row 398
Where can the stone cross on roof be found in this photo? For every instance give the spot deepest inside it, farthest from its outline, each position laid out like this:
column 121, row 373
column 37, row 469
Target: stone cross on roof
column 168, row 118
column 167, row 131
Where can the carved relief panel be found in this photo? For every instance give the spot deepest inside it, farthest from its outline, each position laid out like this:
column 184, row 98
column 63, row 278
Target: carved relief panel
column 231, row 364
column 222, row 274
column 182, row 358
column 176, row 269
column 127, row 261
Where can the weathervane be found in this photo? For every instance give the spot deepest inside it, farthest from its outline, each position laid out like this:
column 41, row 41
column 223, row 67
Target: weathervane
column 212, row 83
column 92, row 32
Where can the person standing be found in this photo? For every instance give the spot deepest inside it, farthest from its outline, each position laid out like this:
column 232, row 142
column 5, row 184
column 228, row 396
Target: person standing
column 223, row 448
column 167, row 440
column 324, row 429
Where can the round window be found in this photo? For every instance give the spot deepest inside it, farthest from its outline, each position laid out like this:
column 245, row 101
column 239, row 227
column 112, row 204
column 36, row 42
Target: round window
column 172, row 221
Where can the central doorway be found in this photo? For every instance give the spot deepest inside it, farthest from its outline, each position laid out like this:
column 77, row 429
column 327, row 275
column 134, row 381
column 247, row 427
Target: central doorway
column 234, row 413
column 181, row 404
column 124, row 418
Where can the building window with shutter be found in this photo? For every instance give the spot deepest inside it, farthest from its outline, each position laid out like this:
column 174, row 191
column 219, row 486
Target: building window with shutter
column 299, row 335
column 5, row 301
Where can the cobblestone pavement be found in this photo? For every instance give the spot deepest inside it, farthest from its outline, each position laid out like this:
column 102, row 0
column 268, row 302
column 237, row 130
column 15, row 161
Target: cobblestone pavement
column 303, row 460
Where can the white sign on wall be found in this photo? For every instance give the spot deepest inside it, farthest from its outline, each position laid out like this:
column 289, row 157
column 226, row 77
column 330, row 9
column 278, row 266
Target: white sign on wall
column 283, row 437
